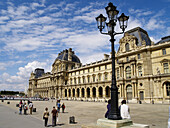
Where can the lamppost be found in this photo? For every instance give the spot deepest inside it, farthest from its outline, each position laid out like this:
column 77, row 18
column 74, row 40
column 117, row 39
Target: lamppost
column 101, row 21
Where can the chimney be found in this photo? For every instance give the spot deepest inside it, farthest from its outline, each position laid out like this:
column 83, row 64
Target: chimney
column 106, row 56
column 70, row 52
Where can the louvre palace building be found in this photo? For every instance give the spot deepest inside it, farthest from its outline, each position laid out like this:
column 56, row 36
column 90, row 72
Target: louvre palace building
column 142, row 73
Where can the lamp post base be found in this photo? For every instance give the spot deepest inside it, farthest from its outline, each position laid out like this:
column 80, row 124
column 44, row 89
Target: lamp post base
column 113, row 123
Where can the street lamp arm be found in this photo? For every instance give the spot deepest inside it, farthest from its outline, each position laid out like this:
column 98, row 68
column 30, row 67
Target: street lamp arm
column 117, row 33
column 104, row 33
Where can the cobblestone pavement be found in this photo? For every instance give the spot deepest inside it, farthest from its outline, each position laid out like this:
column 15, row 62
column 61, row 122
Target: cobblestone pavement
column 154, row 115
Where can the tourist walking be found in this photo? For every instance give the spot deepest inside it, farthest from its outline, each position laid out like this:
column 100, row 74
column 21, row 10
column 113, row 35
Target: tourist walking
column 54, row 116
column 58, row 106
column 25, row 109
column 20, row 107
column 30, row 107
column 108, row 108
column 63, row 107
column 45, row 116
column 124, row 110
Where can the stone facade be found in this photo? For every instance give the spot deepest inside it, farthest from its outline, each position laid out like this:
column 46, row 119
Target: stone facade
column 142, row 73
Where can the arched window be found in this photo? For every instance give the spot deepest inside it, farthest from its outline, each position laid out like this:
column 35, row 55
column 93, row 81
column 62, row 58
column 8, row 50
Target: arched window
column 127, row 47
column 168, row 88
column 65, row 92
column 128, row 72
column 140, row 70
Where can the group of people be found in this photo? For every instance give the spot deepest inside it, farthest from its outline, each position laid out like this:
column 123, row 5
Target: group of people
column 23, row 106
column 124, row 110
column 54, row 113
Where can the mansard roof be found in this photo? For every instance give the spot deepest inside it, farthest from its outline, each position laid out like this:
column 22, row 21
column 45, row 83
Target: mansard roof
column 64, row 56
column 141, row 35
column 163, row 40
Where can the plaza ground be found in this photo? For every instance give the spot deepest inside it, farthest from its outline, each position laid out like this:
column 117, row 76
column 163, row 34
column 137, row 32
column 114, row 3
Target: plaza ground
column 154, row 115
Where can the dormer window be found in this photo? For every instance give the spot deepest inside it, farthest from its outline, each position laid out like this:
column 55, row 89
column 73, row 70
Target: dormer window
column 127, row 47
column 164, row 51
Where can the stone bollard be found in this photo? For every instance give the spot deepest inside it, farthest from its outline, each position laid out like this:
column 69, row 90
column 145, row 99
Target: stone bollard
column 2, row 100
column 8, row 102
column 140, row 102
column 34, row 109
column 72, row 120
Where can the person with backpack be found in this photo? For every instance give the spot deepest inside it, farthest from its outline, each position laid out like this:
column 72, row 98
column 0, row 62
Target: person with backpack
column 63, row 107
column 45, row 116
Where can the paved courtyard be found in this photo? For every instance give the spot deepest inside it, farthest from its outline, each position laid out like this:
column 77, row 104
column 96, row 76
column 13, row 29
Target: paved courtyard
column 155, row 115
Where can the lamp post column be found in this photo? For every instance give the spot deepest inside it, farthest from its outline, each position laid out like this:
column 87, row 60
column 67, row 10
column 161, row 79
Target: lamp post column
column 114, row 112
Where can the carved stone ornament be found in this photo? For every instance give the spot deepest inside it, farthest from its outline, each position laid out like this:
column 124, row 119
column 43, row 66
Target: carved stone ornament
column 127, row 39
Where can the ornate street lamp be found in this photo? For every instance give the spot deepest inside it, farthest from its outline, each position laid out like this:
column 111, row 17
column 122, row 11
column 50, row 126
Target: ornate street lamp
column 101, row 21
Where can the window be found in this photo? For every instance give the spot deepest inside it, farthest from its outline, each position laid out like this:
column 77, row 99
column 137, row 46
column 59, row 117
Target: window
column 88, row 79
column 66, row 66
column 105, row 76
column 74, row 80
column 164, row 51
column 139, row 56
column 166, row 68
column 128, row 72
column 71, row 81
column 99, row 77
column 88, row 70
column 117, row 73
column 168, row 89
column 79, row 80
column 99, row 68
column 127, row 47
column 83, row 71
column 105, row 66
column 83, row 80
column 93, row 69
column 93, row 78
column 127, row 59
column 140, row 70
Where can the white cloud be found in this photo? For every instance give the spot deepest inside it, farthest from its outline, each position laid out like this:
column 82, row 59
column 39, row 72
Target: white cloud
column 154, row 24
column 19, row 81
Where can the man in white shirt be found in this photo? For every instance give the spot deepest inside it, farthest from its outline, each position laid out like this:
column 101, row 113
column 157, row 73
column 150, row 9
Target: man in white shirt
column 124, row 110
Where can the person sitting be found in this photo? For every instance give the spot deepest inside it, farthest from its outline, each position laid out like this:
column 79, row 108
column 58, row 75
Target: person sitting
column 124, row 110
column 108, row 108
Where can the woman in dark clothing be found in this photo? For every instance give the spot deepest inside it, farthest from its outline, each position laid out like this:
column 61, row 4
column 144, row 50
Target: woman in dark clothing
column 108, row 108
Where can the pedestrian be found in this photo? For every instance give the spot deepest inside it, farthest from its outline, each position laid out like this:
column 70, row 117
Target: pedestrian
column 58, row 106
column 124, row 110
column 54, row 116
column 45, row 116
column 25, row 109
column 30, row 107
column 20, row 107
column 108, row 108
column 63, row 107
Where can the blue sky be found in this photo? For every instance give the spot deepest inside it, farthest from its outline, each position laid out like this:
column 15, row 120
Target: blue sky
column 33, row 32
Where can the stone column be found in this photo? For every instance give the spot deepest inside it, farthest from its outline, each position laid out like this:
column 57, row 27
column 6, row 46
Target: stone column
column 85, row 93
column 91, row 93
column 104, row 92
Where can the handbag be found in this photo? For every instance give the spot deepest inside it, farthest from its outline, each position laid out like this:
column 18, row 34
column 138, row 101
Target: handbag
column 43, row 118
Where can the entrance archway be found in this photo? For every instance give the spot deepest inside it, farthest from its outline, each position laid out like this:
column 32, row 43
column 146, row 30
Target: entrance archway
column 94, row 91
column 129, row 92
column 78, row 92
column 100, row 92
column 69, row 92
column 88, row 92
column 107, row 91
column 73, row 92
column 82, row 92
column 65, row 92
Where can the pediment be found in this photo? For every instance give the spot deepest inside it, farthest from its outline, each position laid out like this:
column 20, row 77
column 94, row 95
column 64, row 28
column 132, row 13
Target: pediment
column 127, row 39
column 164, row 60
